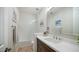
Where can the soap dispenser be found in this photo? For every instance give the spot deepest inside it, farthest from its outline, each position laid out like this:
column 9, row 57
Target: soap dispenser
column 47, row 31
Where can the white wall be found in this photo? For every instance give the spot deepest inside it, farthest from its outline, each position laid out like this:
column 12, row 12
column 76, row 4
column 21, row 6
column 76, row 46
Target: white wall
column 26, row 27
column 1, row 25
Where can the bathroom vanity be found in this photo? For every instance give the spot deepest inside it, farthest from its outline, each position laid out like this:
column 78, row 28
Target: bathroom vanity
column 50, row 44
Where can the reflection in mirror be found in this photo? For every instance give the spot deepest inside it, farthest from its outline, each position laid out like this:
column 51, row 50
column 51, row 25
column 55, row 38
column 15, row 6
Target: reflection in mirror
column 69, row 18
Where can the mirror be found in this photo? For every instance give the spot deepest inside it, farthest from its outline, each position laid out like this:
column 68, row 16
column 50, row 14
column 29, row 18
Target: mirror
column 64, row 20
column 76, row 21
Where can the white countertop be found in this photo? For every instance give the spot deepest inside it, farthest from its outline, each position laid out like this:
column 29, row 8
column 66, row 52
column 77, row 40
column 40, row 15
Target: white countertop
column 62, row 46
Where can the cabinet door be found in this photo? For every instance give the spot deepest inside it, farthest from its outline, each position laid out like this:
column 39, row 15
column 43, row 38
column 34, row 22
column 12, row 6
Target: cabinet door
column 42, row 47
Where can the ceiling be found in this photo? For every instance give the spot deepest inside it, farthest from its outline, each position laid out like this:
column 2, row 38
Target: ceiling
column 32, row 10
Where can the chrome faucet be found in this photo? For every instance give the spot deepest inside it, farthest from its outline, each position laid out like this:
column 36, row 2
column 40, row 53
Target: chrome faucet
column 56, row 37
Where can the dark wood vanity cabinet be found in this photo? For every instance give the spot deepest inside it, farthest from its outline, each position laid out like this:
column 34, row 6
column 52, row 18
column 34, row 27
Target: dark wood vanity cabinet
column 42, row 47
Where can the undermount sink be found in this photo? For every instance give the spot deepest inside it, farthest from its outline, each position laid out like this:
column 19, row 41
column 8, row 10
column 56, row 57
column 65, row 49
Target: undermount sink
column 52, row 40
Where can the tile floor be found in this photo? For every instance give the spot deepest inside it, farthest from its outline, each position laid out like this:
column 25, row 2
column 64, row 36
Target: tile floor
column 23, row 47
